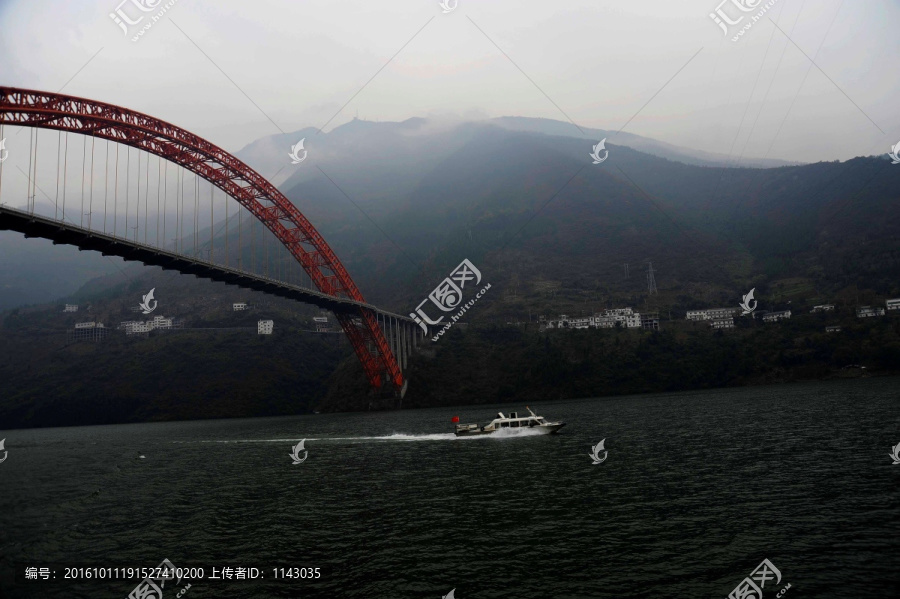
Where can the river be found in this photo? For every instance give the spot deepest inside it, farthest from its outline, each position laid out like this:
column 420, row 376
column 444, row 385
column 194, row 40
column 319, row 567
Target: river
column 698, row 489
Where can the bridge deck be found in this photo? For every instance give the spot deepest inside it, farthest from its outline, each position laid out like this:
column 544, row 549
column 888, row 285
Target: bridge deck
column 33, row 225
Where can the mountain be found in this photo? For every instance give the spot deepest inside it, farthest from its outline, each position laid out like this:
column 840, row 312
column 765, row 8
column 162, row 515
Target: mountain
column 533, row 210
column 378, row 165
column 34, row 271
column 635, row 142
column 403, row 203
column 418, row 142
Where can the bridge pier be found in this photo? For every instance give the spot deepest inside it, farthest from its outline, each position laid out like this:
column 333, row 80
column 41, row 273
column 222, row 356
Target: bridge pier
column 400, row 355
column 408, row 334
column 396, row 342
column 402, row 337
column 405, row 342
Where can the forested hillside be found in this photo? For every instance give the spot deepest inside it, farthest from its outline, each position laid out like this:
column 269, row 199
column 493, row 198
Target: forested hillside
column 404, row 203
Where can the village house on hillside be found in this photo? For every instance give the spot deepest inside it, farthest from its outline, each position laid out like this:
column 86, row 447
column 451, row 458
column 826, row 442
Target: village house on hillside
column 711, row 314
column 608, row 319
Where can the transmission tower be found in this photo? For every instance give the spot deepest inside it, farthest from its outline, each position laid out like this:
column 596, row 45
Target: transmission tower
column 651, row 281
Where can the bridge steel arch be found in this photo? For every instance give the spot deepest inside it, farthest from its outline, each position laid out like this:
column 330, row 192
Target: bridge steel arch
column 46, row 110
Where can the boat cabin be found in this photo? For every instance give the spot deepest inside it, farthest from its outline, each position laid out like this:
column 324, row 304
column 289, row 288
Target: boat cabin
column 501, row 422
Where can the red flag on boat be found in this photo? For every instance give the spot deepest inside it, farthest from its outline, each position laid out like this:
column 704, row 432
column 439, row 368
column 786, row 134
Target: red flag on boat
column 455, row 419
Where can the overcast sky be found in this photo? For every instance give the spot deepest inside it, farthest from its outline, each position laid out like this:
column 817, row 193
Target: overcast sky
column 233, row 71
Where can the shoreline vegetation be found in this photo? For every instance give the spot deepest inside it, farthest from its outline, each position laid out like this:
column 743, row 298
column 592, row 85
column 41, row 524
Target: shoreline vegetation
column 191, row 376
column 503, row 364
column 210, row 371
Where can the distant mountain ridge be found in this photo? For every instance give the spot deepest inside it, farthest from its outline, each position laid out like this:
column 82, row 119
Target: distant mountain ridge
column 269, row 154
column 401, row 203
column 532, row 207
column 637, row 142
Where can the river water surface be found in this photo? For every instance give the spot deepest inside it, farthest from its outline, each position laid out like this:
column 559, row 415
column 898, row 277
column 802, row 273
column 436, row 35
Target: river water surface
column 698, row 489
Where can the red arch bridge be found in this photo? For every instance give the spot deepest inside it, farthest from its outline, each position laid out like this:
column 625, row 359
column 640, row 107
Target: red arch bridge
column 194, row 208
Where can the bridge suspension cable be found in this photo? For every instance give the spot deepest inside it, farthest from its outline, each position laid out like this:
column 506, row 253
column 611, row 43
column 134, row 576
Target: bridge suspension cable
column 292, row 258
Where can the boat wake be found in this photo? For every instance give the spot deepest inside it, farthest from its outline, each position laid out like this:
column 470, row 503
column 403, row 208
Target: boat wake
column 501, row 434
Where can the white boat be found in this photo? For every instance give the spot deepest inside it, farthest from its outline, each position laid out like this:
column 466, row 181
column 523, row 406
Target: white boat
column 511, row 423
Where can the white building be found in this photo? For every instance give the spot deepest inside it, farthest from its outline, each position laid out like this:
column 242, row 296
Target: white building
column 87, row 325
column 138, row 328
column 604, row 322
column 608, row 319
column 833, row 329
column 240, row 306
column 583, row 322
column 265, row 327
column 868, row 312
column 776, row 316
column 711, row 314
column 161, row 322
column 71, row 308
column 625, row 317
column 893, row 304
column 722, row 323
column 823, row 308
column 321, row 324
